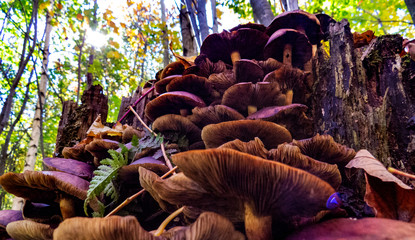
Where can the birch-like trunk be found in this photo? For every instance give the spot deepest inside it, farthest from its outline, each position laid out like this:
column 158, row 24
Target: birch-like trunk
column 188, row 39
column 164, row 37
column 262, row 11
column 36, row 125
column 214, row 17
column 202, row 18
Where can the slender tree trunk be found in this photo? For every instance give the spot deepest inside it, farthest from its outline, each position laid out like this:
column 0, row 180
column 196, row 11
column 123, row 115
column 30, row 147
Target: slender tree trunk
column 36, row 125
column 164, row 37
column 214, row 17
column 262, row 11
column 410, row 4
column 188, row 40
column 89, row 76
column 24, row 59
column 80, row 46
column 195, row 27
column 202, row 18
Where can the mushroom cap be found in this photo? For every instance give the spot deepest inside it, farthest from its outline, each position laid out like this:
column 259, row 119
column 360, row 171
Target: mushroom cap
column 41, row 212
column 99, row 148
column 202, row 116
column 269, row 188
column 71, row 166
column 246, row 41
column 191, row 83
column 171, row 103
column 174, row 68
column 29, row 230
column 222, row 81
column 77, row 152
column 298, row 20
column 366, row 228
column 44, row 186
column 177, row 124
column 207, row 67
column 8, row 216
column 291, row 155
column 261, row 94
column 323, row 148
column 325, row 21
column 301, row 47
column 248, row 71
column 290, row 116
column 255, row 26
column 271, row 134
column 208, row 226
column 161, row 85
column 254, row 147
column 269, row 65
column 113, row 227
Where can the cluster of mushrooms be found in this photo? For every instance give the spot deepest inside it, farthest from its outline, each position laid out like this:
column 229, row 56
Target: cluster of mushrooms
column 250, row 167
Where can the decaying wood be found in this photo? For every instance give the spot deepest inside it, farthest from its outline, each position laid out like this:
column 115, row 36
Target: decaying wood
column 126, row 102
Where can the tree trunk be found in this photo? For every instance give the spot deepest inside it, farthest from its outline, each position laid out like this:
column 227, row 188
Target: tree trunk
column 188, row 40
column 214, row 17
column 164, row 36
column 262, row 11
column 358, row 98
column 202, row 18
column 290, row 5
column 80, row 46
column 195, row 27
column 410, row 4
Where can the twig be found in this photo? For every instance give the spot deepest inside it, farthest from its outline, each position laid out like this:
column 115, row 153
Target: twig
column 397, row 172
column 167, row 221
column 163, row 150
column 132, row 197
column 136, row 102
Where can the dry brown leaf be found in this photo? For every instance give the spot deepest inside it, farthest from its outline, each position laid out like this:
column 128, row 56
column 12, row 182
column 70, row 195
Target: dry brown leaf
column 97, row 128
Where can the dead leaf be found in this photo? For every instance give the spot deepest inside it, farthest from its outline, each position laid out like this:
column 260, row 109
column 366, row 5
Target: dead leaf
column 99, row 129
column 366, row 161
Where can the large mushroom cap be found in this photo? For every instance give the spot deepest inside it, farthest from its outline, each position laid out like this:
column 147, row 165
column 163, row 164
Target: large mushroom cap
column 191, row 83
column 248, row 71
column 172, row 103
column 161, row 85
column 255, row 26
column 202, row 116
column 222, row 81
column 205, row 67
column 325, row 21
column 177, row 124
column 298, row 20
column 29, row 230
column 271, row 134
column 254, row 147
column 6, row 217
column 301, row 47
column 114, row 227
column 71, row 166
column 174, row 68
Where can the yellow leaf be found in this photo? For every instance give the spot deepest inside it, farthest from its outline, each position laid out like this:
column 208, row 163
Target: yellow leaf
column 115, row 44
column 54, row 23
column 117, row 55
column 44, row 5
column 116, row 30
column 112, row 24
column 59, row 6
column 129, row 3
column 110, row 54
column 51, row 13
column 79, row 17
column 123, row 25
column 218, row 13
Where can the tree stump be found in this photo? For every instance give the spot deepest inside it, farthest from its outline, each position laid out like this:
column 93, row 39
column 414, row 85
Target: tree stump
column 126, row 102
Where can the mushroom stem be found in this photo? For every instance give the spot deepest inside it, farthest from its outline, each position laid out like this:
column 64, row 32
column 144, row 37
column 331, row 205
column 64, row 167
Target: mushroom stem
column 252, row 109
column 403, row 174
column 67, row 206
column 314, row 50
column 257, row 227
column 167, row 221
column 184, row 112
column 289, row 97
column 287, row 54
column 235, row 56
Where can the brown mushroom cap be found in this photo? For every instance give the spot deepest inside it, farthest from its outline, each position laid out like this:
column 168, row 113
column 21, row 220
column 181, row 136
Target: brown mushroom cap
column 178, row 124
column 269, row 65
column 254, row 147
column 71, row 166
column 267, row 188
column 171, row 103
column 271, row 134
column 323, row 148
column 247, row 71
column 245, row 41
column 290, row 116
column 325, row 21
column 301, row 47
column 291, row 155
column 114, row 227
column 222, row 81
column 299, row 20
column 366, row 228
column 77, row 152
column 29, row 230
column 255, row 26
column 174, row 68
column 99, row 148
column 193, row 84
column 206, row 67
column 202, row 116
column 260, row 95
column 161, row 85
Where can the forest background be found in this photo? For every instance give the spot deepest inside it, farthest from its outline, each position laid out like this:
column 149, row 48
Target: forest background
column 50, row 51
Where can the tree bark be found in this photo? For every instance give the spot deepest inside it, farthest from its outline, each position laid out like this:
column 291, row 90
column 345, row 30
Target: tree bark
column 262, row 11
column 80, row 46
column 130, row 119
column 214, row 17
column 195, row 27
column 202, row 18
column 410, row 4
column 164, row 36
column 188, row 40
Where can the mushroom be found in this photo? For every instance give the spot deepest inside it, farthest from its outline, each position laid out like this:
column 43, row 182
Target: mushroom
column 204, row 67
column 269, row 65
column 247, row 71
column 161, row 85
column 174, row 68
column 71, row 166
column 290, row 80
column 179, row 125
column 193, row 84
column 99, row 149
column 46, row 186
column 271, row 134
column 29, row 230
column 325, row 21
column 247, row 98
column 255, row 26
column 268, row 190
column 289, row 46
column 202, row 116
column 232, row 46
column 172, row 103
column 222, row 81
column 291, row 155
column 6, row 217
column 254, row 147
column 49, row 213
column 292, row 117
column 78, row 151
column 323, row 148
